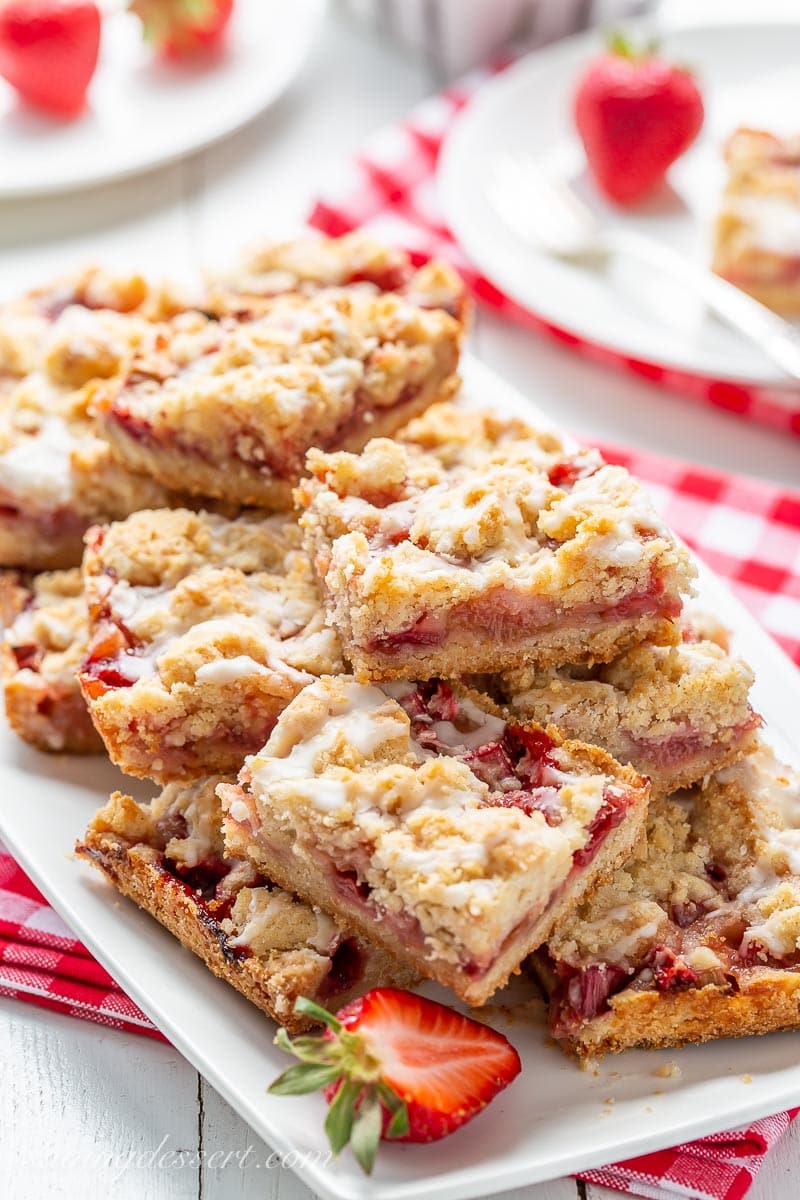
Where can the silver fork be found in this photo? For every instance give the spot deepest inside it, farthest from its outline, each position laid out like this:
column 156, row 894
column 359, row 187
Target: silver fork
column 546, row 214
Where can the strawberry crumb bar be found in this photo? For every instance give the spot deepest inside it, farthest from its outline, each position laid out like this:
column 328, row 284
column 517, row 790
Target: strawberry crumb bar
column 418, row 818
column 474, row 543
column 232, row 411
column 168, row 857
column 57, row 473
column 757, row 234
column 29, row 325
column 675, row 713
column 699, row 937
column 202, row 631
column 308, row 264
column 45, row 640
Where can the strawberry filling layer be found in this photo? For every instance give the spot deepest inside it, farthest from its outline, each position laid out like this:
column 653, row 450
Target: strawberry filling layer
column 768, row 272
column 671, row 751
column 518, row 768
column 281, row 461
column 510, row 618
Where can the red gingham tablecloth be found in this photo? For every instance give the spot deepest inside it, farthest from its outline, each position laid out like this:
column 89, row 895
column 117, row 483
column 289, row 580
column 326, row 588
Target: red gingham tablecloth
column 389, row 189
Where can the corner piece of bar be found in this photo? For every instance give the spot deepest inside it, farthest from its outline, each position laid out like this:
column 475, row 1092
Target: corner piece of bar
column 698, row 937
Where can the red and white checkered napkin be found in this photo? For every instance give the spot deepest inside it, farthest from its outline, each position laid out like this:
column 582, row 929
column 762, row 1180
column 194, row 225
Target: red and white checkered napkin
column 42, row 961
column 746, row 530
column 719, row 1167
column 389, row 190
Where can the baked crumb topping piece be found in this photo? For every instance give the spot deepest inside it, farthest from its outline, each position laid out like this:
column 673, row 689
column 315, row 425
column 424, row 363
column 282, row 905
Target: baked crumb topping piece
column 418, row 817
column 168, row 856
column 474, row 543
column 230, row 409
column 203, row 628
column 675, row 713
column 757, row 232
column 46, row 632
column 310, row 263
column 32, row 324
column 698, row 937
column 57, row 473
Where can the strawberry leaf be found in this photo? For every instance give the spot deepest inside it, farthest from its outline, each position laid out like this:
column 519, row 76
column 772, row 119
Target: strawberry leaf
column 619, row 43
column 366, row 1132
column 341, row 1114
column 308, row 1049
column 303, row 1078
column 309, row 1009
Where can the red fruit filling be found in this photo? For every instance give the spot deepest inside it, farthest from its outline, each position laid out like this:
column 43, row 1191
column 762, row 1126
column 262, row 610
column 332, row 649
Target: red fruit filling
column 509, row 618
column 582, row 993
column 566, row 473
column 670, row 972
column 386, row 279
column 684, row 746
column 347, row 969
column 28, row 657
column 519, row 769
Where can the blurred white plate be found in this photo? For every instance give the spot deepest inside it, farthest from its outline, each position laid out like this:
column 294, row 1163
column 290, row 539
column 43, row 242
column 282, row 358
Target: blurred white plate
column 749, row 75
column 142, row 113
column 553, row 1120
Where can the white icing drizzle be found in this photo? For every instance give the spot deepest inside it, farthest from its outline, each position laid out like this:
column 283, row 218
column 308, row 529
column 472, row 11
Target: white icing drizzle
column 279, row 622
column 38, row 468
column 774, row 223
column 228, row 670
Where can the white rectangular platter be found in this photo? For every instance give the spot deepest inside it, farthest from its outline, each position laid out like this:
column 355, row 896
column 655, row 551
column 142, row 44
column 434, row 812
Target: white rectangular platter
column 555, row 1119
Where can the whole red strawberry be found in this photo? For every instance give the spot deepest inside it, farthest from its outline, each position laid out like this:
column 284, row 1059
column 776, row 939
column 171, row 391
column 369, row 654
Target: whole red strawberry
column 395, row 1065
column 48, row 51
column 636, row 114
column 183, row 28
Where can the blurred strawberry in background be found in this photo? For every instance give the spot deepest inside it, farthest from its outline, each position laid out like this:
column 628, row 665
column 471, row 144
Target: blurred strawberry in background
column 48, row 51
column 636, row 114
column 183, row 28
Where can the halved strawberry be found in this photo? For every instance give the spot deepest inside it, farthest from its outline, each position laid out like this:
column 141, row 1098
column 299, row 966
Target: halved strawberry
column 395, row 1065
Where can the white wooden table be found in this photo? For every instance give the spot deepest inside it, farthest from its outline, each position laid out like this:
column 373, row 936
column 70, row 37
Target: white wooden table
column 86, row 1112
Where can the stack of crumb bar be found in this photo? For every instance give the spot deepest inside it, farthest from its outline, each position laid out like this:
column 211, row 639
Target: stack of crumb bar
column 414, row 682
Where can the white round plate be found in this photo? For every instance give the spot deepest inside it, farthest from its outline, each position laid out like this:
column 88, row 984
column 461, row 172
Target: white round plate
column 143, row 113
column 749, row 75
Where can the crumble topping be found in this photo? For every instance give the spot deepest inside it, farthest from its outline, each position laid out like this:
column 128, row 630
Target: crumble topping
column 354, row 260
column 50, row 632
column 202, row 629
column 158, row 579
column 57, row 473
